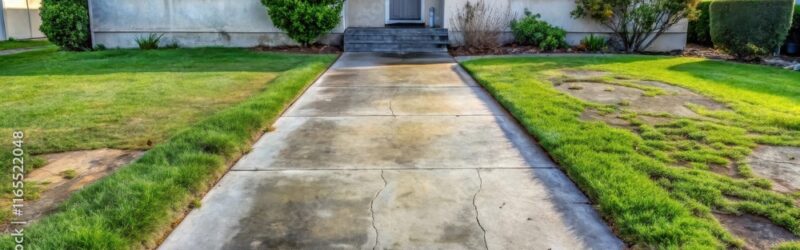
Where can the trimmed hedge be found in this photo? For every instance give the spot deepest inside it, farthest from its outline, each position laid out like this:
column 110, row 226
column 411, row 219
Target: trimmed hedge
column 750, row 28
column 699, row 31
column 66, row 23
column 305, row 20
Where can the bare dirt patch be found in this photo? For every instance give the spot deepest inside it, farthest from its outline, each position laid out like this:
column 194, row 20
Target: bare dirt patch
column 780, row 164
column 757, row 232
column 612, row 119
column 674, row 100
column 68, row 172
column 584, row 74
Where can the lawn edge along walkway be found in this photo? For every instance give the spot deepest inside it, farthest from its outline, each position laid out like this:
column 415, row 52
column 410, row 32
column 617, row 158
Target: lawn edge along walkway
column 138, row 205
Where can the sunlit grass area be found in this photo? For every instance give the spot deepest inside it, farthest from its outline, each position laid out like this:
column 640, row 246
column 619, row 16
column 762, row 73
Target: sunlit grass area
column 22, row 44
column 659, row 184
column 194, row 110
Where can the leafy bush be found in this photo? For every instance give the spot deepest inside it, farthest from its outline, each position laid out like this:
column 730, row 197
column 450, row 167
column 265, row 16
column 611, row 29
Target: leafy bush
column 750, row 28
column 699, row 32
column 304, row 20
column 66, row 23
column 480, row 25
column 149, row 42
column 530, row 30
column 594, row 43
column 636, row 23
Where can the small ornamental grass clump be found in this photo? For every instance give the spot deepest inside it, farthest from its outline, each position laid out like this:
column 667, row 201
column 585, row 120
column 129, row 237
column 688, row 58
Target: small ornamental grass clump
column 530, row 30
column 304, row 20
column 594, row 43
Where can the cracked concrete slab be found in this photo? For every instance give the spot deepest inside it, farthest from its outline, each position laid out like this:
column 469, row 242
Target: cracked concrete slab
column 419, row 101
column 283, row 210
column 517, row 208
column 385, row 143
column 393, row 151
column 421, row 209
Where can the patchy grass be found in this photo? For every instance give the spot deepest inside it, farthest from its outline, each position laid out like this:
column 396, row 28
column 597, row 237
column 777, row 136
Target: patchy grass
column 199, row 107
column 23, row 44
column 654, row 183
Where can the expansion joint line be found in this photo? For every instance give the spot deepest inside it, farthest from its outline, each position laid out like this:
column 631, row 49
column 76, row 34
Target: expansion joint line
column 372, row 209
column 475, row 204
column 391, row 100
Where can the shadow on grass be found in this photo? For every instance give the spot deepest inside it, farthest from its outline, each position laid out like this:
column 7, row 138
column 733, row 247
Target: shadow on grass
column 52, row 62
column 755, row 78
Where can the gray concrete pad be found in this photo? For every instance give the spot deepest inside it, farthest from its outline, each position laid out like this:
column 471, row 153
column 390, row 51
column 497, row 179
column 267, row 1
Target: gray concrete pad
column 391, row 151
column 364, row 101
column 404, row 142
column 517, row 208
column 422, row 210
column 432, row 75
column 283, row 210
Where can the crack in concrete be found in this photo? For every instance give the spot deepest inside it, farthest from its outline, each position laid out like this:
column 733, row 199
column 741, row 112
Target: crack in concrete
column 372, row 209
column 475, row 204
column 391, row 109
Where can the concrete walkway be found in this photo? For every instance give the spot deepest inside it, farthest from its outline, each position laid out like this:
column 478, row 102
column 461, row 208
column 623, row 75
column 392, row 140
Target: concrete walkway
column 394, row 152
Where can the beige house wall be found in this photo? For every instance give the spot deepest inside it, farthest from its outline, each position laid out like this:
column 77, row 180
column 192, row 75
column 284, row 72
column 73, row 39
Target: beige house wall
column 21, row 19
column 557, row 13
column 245, row 23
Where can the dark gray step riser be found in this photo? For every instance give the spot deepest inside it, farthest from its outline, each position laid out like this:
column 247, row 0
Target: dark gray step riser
column 395, row 31
column 392, row 47
column 396, row 50
column 394, row 38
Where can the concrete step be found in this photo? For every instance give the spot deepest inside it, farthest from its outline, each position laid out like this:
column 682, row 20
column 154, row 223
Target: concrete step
column 396, row 40
column 394, row 47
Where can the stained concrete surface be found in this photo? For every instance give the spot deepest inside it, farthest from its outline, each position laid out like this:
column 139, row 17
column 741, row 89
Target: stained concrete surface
column 394, row 152
column 780, row 164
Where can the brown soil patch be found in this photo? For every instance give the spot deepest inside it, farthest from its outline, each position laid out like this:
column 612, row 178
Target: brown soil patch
column 757, row 232
column 584, row 74
column 88, row 166
column 674, row 102
column 599, row 92
column 610, row 119
column 780, row 164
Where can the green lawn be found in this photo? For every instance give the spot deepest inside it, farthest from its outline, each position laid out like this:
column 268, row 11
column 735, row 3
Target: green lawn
column 199, row 107
column 22, row 44
column 654, row 183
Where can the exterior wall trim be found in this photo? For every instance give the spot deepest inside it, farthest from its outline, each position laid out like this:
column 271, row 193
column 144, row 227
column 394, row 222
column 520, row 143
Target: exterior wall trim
column 3, row 27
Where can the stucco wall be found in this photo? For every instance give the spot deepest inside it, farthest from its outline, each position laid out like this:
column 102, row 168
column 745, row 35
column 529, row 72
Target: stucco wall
column 245, row 23
column 21, row 19
column 557, row 12
column 372, row 13
column 190, row 23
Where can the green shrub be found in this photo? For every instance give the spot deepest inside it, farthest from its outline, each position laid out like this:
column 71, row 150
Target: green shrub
column 636, row 24
column 530, row 30
column 750, row 28
column 149, row 42
column 594, row 43
column 66, row 23
column 304, row 20
column 699, row 32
